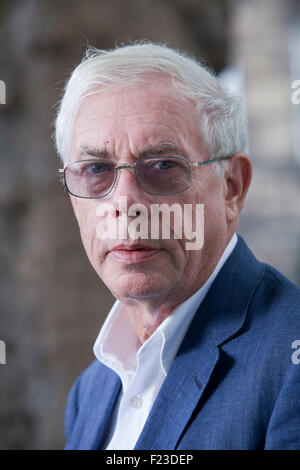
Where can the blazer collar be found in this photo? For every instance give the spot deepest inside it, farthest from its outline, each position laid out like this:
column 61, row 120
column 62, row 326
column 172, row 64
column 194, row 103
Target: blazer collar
column 219, row 318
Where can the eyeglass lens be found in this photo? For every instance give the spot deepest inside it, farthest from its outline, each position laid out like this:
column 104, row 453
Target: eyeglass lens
column 157, row 175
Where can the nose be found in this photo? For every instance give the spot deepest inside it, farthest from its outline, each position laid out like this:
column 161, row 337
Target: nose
column 127, row 185
column 126, row 182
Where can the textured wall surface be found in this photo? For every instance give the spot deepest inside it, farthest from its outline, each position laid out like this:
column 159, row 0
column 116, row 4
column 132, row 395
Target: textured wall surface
column 261, row 45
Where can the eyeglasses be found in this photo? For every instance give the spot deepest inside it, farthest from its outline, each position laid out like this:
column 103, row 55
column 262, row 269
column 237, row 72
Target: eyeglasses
column 160, row 176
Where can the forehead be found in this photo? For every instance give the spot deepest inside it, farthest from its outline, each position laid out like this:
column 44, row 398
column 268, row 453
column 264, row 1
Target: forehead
column 136, row 116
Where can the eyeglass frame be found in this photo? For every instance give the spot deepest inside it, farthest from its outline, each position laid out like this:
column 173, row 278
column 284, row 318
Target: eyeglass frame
column 132, row 166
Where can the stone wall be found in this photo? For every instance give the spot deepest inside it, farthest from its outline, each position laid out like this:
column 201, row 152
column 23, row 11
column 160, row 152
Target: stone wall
column 260, row 32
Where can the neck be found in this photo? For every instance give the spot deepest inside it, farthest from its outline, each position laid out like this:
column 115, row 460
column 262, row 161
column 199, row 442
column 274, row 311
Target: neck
column 146, row 314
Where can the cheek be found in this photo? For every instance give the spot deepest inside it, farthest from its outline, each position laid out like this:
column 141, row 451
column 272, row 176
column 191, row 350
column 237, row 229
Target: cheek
column 87, row 223
column 210, row 195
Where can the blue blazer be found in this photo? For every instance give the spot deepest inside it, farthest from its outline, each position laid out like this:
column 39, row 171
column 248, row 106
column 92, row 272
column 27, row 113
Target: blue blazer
column 233, row 383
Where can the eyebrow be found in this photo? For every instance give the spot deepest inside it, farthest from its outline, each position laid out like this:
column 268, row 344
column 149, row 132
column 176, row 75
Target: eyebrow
column 164, row 147
column 93, row 152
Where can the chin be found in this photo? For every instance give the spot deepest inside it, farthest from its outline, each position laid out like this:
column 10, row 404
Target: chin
column 138, row 285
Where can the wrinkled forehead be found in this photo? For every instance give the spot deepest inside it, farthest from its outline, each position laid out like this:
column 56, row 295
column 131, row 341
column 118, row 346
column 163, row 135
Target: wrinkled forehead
column 150, row 92
column 150, row 113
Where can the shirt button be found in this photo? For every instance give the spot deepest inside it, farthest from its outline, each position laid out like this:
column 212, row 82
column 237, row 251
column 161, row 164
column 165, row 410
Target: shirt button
column 136, row 401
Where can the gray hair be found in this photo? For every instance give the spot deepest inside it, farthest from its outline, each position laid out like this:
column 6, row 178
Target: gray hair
column 221, row 117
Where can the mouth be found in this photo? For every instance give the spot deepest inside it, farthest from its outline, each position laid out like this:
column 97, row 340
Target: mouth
column 133, row 253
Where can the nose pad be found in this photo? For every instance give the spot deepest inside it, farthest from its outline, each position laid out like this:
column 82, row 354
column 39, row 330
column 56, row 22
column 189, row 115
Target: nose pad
column 119, row 170
column 131, row 192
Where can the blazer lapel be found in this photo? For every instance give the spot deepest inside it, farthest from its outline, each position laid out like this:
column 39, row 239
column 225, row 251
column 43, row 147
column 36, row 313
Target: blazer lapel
column 177, row 398
column 219, row 318
column 97, row 412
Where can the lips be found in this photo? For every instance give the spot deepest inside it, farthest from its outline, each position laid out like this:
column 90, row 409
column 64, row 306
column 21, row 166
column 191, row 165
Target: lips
column 134, row 253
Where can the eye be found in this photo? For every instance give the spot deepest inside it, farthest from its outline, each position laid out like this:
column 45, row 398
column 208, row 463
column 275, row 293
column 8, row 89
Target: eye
column 164, row 164
column 96, row 168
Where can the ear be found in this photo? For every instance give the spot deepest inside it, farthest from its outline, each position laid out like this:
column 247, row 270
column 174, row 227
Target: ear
column 237, row 180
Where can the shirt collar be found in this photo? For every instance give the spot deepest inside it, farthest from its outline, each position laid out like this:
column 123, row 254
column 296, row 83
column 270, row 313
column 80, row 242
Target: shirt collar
column 118, row 346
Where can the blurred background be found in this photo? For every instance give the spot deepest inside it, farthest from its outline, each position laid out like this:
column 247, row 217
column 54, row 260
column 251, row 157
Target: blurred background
column 52, row 302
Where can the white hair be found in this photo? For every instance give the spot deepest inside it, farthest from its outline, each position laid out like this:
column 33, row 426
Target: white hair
column 221, row 117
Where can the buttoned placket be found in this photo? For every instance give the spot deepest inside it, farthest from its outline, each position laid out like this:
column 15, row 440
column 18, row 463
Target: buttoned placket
column 140, row 390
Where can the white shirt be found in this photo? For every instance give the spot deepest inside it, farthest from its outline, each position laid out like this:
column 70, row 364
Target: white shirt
column 142, row 368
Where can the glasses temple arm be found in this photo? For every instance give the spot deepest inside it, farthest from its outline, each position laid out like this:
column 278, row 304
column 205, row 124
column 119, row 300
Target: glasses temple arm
column 209, row 161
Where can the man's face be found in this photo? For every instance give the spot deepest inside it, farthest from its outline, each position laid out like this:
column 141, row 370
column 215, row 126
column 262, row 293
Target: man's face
column 122, row 124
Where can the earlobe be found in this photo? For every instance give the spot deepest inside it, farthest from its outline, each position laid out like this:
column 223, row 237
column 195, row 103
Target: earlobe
column 236, row 184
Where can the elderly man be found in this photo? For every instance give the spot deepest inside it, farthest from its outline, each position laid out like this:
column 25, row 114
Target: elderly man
column 199, row 350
